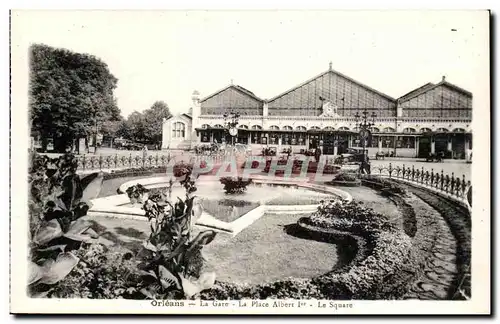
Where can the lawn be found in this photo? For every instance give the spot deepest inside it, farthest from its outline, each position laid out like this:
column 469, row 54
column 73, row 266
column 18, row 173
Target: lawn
column 309, row 198
column 110, row 186
column 264, row 252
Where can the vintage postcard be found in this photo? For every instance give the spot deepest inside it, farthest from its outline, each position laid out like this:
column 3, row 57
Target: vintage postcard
column 250, row 162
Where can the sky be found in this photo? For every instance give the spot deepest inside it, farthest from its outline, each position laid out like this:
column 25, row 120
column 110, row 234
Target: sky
column 166, row 55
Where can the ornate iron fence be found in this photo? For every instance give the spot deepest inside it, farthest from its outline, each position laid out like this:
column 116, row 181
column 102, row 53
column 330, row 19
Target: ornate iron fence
column 116, row 162
column 452, row 185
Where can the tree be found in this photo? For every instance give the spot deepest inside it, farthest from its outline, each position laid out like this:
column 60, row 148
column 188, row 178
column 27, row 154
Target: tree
column 136, row 126
column 109, row 129
column 123, row 130
column 153, row 121
column 69, row 94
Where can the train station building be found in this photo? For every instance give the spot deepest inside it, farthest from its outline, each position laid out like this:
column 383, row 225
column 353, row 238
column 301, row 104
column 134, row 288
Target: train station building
column 320, row 112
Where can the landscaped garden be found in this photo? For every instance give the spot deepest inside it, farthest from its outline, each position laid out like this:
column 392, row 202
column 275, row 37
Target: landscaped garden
column 390, row 242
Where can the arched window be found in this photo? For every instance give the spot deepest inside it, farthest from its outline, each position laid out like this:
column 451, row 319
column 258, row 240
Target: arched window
column 205, row 126
column 459, row 130
column 300, row 128
column 256, row 127
column 343, row 128
column 179, row 130
column 389, row 130
column 409, row 130
column 315, row 128
column 218, row 126
column 425, row 130
column 375, row 130
column 288, row 128
column 329, row 128
column 443, row 130
column 243, row 126
column 274, row 128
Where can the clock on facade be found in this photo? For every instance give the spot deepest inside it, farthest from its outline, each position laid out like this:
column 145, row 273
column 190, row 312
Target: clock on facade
column 233, row 131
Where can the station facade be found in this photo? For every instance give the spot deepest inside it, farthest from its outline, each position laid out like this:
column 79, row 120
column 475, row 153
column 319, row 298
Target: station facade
column 320, row 112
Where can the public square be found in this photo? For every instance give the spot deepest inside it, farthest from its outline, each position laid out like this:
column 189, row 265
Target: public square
column 143, row 182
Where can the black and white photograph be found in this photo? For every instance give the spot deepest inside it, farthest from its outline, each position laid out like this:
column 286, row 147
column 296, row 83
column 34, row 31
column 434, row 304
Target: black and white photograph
column 250, row 162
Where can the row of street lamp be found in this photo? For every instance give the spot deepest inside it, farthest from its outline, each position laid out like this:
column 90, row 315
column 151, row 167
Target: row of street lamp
column 364, row 123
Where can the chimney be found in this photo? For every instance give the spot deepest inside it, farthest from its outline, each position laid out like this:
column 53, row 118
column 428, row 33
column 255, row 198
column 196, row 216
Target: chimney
column 444, row 78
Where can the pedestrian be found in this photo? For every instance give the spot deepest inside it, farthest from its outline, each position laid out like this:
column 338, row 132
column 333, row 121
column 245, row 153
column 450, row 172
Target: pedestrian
column 317, row 154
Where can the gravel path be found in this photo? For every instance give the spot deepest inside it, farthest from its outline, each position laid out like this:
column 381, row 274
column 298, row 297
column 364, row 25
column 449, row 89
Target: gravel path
column 443, row 237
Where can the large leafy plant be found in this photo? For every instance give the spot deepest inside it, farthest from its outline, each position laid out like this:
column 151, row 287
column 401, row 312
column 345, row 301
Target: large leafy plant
column 173, row 264
column 235, row 185
column 59, row 198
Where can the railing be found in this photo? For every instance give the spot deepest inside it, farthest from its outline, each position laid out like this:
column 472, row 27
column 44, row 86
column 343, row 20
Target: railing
column 114, row 162
column 449, row 185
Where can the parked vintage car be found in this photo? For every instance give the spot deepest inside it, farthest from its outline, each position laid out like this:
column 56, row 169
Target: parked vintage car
column 435, row 157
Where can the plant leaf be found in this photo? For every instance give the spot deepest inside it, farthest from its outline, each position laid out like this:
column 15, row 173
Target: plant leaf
column 92, row 185
column 168, row 277
column 42, row 294
column 79, row 237
column 72, row 191
column 60, row 268
column 53, row 248
column 149, row 273
column 78, row 227
column 146, row 292
column 35, row 272
column 149, row 246
column 206, row 280
column 47, row 232
column 93, row 234
column 201, row 239
column 181, row 247
column 190, row 288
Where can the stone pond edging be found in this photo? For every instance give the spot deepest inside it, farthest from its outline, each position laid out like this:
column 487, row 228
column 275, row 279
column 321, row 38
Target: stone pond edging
column 111, row 206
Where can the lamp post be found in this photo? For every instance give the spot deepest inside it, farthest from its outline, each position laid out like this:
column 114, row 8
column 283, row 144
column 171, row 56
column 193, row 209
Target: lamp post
column 95, row 133
column 231, row 121
column 364, row 124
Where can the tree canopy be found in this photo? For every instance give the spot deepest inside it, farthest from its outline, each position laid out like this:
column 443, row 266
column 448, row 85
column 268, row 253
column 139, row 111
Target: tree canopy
column 153, row 118
column 145, row 127
column 68, row 92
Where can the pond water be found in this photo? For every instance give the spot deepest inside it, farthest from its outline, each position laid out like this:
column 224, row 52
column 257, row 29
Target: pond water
column 259, row 194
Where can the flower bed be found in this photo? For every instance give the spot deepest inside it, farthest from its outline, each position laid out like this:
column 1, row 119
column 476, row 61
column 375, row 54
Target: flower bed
column 385, row 273
column 387, row 187
column 235, row 185
column 345, row 180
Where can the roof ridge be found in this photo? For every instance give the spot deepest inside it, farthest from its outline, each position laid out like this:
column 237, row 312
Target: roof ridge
column 236, row 87
column 444, row 82
column 414, row 91
column 339, row 74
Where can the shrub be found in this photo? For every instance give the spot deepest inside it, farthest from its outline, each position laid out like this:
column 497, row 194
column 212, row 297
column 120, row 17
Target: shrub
column 349, row 216
column 387, row 187
column 173, row 263
column 235, row 185
column 102, row 273
column 58, row 200
column 346, row 177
